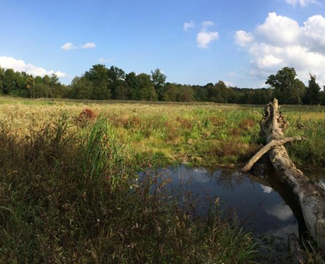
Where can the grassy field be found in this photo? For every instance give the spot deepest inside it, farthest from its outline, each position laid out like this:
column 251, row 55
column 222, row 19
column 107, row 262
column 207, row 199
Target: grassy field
column 206, row 135
column 69, row 189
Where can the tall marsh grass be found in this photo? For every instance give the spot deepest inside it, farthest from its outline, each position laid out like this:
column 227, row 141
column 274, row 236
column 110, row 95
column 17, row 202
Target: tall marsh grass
column 71, row 195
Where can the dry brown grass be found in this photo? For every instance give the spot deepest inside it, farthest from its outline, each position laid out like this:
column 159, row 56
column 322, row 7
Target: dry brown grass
column 247, row 124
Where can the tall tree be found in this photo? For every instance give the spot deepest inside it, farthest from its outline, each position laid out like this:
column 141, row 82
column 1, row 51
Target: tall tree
column 159, row 80
column 30, row 82
column 116, row 78
column 132, row 86
column 287, row 88
column 146, row 88
column 313, row 91
column 98, row 75
column 9, row 81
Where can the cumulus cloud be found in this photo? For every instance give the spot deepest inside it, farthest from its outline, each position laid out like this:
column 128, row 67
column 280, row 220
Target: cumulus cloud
column 89, row 45
column 20, row 65
column 301, row 2
column 68, row 46
column 205, row 37
column 243, row 38
column 280, row 41
column 188, row 25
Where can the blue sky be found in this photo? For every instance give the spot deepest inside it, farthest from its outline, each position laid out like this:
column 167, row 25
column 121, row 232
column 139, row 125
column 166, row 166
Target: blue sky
column 192, row 42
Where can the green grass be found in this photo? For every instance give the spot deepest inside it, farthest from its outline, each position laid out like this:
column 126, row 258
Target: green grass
column 69, row 191
column 72, row 195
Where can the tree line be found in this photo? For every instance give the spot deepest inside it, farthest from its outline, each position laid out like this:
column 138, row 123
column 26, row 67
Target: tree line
column 102, row 83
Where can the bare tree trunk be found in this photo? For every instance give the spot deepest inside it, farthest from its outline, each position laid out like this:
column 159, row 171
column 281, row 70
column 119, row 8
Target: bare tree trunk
column 310, row 196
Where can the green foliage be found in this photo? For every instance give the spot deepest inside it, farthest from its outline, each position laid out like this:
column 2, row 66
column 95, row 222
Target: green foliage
column 9, row 81
column 287, row 88
column 81, row 88
column 101, row 83
column 40, row 90
column 218, row 92
column 158, row 80
column 313, row 91
column 71, row 195
column 146, row 88
column 98, row 75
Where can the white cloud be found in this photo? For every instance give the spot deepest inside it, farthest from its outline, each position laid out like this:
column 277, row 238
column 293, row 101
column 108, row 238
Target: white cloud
column 314, row 29
column 301, row 2
column 188, row 25
column 103, row 60
column 229, row 84
column 243, row 38
column 280, row 41
column 89, row 45
column 204, row 37
column 20, row 65
column 279, row 30
column 68, row 46
column 206, row 24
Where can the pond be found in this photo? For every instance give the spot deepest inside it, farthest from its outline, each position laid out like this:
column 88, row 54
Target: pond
column 258, row 201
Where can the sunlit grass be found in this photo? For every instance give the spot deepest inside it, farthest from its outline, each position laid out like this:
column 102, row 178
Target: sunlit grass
column 71, row 194
column 202, row 135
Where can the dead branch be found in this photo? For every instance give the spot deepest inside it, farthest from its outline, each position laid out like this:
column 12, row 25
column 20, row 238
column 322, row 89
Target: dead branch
column 266, row 148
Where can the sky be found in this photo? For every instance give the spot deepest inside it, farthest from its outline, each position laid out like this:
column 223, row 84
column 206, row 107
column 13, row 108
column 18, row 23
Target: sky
column 193, row 42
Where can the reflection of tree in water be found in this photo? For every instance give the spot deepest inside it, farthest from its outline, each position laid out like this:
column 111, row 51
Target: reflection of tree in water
column 230, row 179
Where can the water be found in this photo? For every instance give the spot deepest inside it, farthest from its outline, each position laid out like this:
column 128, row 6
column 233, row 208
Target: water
column 261, row 203
column 258, row 201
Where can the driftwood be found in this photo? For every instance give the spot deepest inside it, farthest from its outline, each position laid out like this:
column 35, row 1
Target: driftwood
column 310, row 196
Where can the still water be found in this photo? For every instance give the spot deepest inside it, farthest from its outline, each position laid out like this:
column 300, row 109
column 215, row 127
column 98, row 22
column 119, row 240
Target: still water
column 259, row 201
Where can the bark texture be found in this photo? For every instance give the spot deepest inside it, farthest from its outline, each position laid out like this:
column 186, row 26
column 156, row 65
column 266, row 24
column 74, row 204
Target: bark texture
column 310, row 195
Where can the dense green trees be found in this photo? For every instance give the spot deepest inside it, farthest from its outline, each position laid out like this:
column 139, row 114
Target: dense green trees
column 25, row 85
column 102, row 83
column 287, row 88
column 290, row 90
column 146, row 88
column 98, row 76
column 81, row 88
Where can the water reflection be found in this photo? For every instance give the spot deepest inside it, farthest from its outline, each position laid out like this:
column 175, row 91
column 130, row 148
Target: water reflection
column 262, row 205
column 267, row 189
column 280, row 211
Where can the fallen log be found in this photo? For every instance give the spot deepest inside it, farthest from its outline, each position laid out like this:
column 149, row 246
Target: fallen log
column 310, row 196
